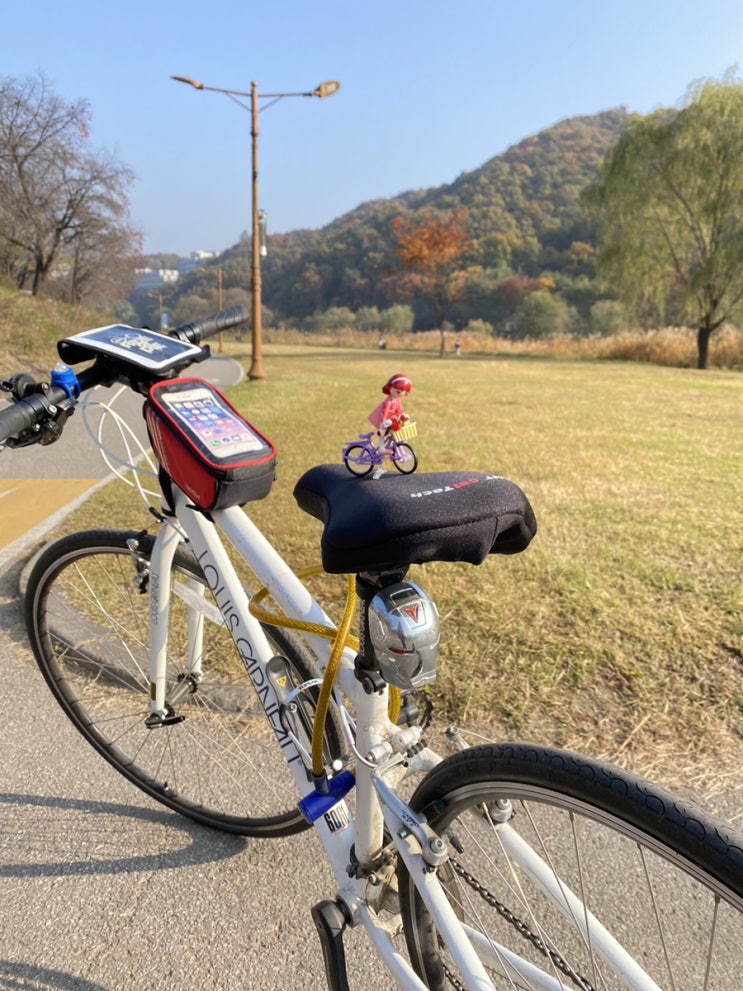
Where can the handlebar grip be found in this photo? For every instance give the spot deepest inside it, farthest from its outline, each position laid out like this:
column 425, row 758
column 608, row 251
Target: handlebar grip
column 26, row 413
column 34, row 408
column 195, row 332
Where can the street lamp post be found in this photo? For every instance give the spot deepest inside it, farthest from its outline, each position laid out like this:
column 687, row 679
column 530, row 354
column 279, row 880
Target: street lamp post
column 323, row 90
column 202, row 268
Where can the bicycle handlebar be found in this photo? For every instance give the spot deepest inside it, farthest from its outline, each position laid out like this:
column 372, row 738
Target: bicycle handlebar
column 198, row 330
column 38, row 404
column 22, row 416
column 40, row 410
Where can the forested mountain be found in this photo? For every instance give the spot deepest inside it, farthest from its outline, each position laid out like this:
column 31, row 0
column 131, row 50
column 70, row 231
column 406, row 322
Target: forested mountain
column 523, row 214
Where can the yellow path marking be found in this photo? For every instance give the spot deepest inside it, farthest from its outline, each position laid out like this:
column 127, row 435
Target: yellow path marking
column 26, row 502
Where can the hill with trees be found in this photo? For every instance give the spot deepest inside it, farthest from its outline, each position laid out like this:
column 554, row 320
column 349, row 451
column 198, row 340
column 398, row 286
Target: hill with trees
column 524, row 220
column 523, row 215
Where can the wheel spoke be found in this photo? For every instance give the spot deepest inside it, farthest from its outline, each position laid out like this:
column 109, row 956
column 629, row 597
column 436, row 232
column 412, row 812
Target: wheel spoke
column 593, row 880
column 215, row 757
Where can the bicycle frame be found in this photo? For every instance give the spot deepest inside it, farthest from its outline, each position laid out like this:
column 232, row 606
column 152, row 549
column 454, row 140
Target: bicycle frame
column 377, row 804
column 337, row 831
column 394, row 450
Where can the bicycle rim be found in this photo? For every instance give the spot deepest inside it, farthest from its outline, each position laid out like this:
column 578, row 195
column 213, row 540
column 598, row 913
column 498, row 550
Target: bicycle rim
column 358, row 460
column 218, row 761
column 645, row 891
column 408, row 466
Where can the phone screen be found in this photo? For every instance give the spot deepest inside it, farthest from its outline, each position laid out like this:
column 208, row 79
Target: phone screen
column 221, row 433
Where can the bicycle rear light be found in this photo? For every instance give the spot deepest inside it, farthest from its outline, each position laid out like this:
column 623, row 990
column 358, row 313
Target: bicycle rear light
column 404, row 629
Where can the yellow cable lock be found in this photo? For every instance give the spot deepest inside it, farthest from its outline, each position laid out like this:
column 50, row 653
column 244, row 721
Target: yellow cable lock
column 341, row 637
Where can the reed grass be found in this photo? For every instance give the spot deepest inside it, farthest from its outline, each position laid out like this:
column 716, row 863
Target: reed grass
column 672, row 346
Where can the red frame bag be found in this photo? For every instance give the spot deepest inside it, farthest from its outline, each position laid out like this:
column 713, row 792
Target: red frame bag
column 182, row 444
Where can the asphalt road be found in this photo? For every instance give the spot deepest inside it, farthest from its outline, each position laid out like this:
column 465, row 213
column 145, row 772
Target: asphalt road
column 102, row 889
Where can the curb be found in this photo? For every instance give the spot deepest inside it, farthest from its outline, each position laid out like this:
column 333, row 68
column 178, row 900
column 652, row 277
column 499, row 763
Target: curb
column 29, row 541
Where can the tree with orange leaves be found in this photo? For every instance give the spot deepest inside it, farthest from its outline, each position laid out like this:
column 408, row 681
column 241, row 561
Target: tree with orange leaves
column 431, row 247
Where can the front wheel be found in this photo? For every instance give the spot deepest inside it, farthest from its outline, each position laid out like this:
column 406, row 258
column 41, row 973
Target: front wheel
column 216, row 759
column 567, row 873
column 405, row 459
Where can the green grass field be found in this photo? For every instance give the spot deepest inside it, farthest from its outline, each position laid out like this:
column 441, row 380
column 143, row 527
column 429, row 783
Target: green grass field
column 619, row 630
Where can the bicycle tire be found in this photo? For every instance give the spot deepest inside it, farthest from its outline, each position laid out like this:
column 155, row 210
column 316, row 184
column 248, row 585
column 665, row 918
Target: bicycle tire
column 357, row 459
column 221, row 764
column 408, row 466
column 657, row 872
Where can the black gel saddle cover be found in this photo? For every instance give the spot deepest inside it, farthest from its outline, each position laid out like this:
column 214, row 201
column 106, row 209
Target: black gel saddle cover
column 378, row 524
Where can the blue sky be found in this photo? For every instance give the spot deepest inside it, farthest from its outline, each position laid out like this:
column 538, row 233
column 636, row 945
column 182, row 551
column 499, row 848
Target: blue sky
column 430, row 89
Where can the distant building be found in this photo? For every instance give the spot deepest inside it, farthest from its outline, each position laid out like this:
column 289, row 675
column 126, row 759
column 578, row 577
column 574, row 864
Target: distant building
column 195, row 259
column 154, row 278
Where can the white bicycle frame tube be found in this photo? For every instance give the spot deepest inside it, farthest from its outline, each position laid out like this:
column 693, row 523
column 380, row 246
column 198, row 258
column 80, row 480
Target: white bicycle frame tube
column 468, row 948
column 161, row 561
column 571, row 906
column 256, row 651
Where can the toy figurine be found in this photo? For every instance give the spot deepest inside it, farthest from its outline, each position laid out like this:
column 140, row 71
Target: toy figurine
column 389, row 415
column 393, row 428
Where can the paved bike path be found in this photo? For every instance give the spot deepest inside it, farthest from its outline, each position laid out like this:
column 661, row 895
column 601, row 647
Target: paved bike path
column 38, row 484
column 101, row 889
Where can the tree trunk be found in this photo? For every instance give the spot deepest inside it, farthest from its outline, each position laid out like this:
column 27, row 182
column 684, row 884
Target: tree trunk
column 38, row 278
column 703, row 336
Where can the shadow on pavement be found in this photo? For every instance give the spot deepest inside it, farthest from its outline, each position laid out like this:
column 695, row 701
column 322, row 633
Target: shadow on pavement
column 47, row 837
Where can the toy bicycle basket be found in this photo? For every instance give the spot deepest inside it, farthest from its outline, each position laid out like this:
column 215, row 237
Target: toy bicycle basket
column 406, row 432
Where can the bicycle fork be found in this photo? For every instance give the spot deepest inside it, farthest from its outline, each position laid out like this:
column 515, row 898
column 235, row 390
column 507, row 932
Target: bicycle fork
column 161, row 563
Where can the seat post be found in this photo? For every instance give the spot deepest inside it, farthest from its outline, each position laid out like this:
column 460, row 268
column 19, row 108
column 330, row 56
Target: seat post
column 368, row 584
column 371, row 713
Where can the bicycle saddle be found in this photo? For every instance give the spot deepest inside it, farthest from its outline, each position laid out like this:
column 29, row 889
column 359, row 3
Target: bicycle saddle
column 376, row 524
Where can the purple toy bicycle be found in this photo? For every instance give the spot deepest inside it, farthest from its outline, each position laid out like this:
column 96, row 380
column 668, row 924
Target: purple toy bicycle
column 361, row 456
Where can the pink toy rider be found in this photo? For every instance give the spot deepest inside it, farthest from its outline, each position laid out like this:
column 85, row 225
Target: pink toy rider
column 389, row 414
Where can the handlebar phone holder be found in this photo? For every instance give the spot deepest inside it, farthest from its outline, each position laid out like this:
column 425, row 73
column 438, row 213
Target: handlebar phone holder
column 158, row 355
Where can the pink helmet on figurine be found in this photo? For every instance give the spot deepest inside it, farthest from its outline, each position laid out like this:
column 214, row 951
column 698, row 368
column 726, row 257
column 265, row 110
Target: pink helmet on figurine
column 401, row 382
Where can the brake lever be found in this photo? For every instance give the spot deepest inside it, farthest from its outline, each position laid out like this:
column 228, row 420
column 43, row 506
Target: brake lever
column 49, row 430
column 23, row 385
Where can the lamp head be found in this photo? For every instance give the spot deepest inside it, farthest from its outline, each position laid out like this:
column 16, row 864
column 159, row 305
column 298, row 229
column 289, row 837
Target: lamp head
column 191, row 82
column 327, row 88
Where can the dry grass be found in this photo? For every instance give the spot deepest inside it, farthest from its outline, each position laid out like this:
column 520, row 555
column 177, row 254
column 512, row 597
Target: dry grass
column 619, row 631
column 672, row 346
column 30, row 329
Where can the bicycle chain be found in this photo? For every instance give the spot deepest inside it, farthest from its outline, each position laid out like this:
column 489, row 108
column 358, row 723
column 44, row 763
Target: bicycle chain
column 521, row 928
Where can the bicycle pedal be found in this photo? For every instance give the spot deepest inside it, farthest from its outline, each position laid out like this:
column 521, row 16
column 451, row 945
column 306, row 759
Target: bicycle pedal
column 330, row 921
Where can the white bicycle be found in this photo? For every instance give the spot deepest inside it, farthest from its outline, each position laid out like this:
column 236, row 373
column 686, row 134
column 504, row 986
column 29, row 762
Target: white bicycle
column 498, row 866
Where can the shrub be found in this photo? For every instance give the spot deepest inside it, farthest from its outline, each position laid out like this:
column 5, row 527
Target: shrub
column 607, row 318
column 544, row 314
column 480, row 327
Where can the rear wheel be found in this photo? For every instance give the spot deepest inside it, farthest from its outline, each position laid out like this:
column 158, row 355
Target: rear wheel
column 358, row 459
column 568, row 873
column 216, row 759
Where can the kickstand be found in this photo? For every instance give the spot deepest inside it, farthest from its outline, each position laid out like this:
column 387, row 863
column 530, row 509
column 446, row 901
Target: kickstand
column 330, row 921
